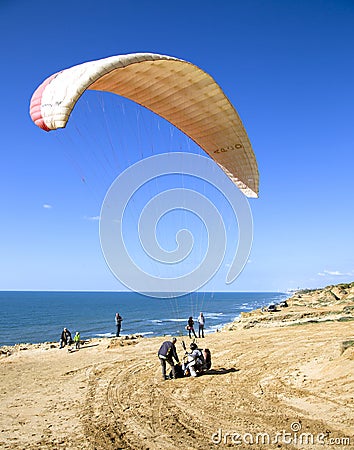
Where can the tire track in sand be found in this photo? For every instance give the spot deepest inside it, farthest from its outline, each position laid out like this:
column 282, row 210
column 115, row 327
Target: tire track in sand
column 133, row 409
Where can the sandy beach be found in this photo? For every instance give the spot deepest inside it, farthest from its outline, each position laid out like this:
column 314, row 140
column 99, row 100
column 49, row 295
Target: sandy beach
column 278, row 380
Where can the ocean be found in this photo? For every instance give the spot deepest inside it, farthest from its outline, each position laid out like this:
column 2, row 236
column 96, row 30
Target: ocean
column 34, row 317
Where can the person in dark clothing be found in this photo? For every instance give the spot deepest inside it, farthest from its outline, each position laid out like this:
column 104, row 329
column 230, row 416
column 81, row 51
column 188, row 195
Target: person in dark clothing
column 65, row 338
column 118, row 323
column 190, row 327
column 168, row 353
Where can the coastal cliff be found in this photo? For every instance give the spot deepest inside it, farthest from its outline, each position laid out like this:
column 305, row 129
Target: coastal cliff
column 331, row 303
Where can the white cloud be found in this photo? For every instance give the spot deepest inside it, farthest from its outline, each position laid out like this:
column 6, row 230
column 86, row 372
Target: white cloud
column 92, row 217
column 47, row 206
column 334, row 273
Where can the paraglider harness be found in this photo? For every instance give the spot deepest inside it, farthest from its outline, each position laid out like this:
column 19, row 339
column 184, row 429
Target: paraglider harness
column 195, row 363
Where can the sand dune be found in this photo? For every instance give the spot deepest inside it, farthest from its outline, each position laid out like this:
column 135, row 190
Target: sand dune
column 270, row 387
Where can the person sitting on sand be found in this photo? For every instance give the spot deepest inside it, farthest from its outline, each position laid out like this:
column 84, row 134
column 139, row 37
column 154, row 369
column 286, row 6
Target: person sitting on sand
column 190, row 327
column 167, row 353
column 195, row 360
column 65, row 338
column 77, row 340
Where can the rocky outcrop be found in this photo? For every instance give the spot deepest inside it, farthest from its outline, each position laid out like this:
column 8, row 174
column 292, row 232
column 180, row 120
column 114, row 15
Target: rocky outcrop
column 330, row 295
column 332, row 303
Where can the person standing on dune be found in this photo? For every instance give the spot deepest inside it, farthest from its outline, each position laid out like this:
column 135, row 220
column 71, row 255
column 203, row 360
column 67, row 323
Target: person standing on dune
column 201, row 322
column 168, row 353
column 118, row 320
column 190, row 327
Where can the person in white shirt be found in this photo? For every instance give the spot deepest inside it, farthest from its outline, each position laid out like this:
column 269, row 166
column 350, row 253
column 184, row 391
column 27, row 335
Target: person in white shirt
column 201, row 321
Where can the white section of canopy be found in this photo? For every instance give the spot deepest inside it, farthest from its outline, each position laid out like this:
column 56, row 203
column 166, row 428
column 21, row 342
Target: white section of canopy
column 174, row 89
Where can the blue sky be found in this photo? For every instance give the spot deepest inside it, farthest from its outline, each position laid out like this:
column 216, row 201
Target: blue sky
column 287, row 67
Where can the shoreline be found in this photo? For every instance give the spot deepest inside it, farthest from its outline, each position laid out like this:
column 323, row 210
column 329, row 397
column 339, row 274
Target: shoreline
column 90, row 314
column 331, row 303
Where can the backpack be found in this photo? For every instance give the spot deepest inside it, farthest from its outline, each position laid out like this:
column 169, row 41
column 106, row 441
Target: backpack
column 207, row 358
column 178, row 371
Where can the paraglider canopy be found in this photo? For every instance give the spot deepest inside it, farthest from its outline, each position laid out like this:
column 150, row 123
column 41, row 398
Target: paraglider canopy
column 176, row 90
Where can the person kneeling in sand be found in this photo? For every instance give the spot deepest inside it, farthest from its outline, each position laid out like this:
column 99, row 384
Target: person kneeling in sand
column 167, row 353
column 65, row 338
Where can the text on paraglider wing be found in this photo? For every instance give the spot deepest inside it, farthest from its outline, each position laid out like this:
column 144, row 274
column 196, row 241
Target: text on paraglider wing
column 228, row 148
